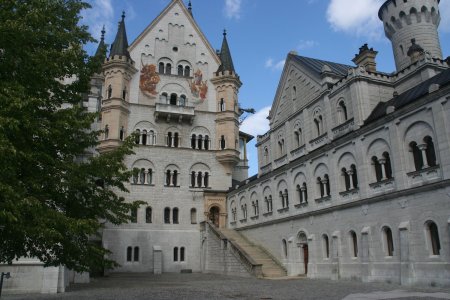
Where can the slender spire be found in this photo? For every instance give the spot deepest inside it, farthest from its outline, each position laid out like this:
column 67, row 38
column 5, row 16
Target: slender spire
column 225, row 56
column 101, row 50
column 190, row 8
column 120, row 44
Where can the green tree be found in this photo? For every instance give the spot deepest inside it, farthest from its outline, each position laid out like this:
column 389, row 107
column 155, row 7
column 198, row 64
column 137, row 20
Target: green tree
column 51, row 201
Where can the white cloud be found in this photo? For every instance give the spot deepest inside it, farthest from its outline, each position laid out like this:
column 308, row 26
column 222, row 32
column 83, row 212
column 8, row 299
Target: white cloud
column 275, row 66
column 257, row 124
column 307, row 44
column 356, row 17
column 444, row 8
column 101, row 13
column 233, row 9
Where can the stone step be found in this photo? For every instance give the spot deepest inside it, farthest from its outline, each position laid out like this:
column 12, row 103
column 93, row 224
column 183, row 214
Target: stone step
column 270, row 268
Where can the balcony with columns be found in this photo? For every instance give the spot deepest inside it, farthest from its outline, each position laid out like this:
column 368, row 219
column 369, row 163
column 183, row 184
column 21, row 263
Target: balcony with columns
column 324, row 191
column 351, row 184
column 303, row 196
column 174, row 113
column 383, row 173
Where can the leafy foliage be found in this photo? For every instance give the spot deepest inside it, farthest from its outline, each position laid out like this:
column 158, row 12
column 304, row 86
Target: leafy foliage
column 53, row 197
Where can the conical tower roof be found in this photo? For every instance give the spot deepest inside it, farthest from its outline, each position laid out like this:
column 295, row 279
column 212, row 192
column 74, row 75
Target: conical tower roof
column 120, row 44
column 101, row 50
column 225, row 56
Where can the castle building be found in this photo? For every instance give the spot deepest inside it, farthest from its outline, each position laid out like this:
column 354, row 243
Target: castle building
column 354, row 173
column 353, row 176
column 180, row 97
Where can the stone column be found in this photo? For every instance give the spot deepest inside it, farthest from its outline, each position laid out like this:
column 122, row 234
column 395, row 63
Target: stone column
column 303, row 192
column 325, row 187
column 423, row 149
column 382, row 162
column 146, row 177
column 350, row 176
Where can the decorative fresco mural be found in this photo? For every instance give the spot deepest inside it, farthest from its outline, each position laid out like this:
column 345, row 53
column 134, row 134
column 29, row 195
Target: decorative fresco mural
column 149, row 80
column 199, row 88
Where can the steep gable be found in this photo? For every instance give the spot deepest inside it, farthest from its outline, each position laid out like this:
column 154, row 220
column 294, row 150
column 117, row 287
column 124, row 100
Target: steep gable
column 300, row 84
column 185, row 17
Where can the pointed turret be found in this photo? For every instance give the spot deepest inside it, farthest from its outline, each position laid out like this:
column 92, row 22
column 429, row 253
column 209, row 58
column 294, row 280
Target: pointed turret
column 190, row 8
column 225, row 56
column 120, row 45
column 101, row 50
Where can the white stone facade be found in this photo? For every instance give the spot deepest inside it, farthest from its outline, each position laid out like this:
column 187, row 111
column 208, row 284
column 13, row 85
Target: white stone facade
column 354, row 174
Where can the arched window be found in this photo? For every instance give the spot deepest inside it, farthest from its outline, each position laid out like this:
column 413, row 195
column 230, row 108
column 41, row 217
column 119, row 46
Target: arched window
column 144, row 137
column 388, row 241
column 136, row 253
column 175, row 178
column 433, row 237
column 266, row 155
column 182, row 254
column 222, row 142
column 142, row 176
column 320, row 187
column 286, row 198
column 173, row 99
column 148, row 215
column 387, row 165
column 200, row 142
column 193, row 179
column 180, row 70
column 161, row 68
column 282, row 199
column 354, row 243
column 187, row 71
column 175, row 216
column 169, row 139
column 327, row 184
column 206, row 179
column 222, row 105
column 317, row 123
column 294, row 93
column 377, row 168
column 122, row 133
column 430, row 152
column 168, row 69
column 193, row 141
column 176, row 139
column 206, row 142
column 109, row 92
column 326, row 245
column 285, row 250
column 182, row 100
column 163, row 98
column 342, row 112
column 129, row 254
column 168, row 177
column 134, row 213
column 138, row 137
column 106, row 132
column 124, row 93
column 193, row 216
column 305, row 193
column 199, row 179
column 417, row 156
column 166, row 215
column 346, row 179
column 175, row 254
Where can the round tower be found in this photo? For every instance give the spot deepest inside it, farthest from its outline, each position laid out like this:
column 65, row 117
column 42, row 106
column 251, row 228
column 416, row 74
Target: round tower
column 407, row 20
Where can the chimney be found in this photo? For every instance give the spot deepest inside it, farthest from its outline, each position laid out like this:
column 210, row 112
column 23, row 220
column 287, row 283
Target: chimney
column 366, row 58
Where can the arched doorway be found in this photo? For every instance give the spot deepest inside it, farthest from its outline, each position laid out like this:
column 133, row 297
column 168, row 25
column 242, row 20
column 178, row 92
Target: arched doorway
column 214, row 214
column 303, row 252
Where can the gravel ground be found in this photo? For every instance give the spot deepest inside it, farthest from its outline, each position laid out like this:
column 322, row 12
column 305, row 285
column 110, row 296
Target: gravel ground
column 208, row 287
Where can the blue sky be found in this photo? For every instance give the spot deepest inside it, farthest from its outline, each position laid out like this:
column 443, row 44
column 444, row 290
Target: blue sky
column 262, row 32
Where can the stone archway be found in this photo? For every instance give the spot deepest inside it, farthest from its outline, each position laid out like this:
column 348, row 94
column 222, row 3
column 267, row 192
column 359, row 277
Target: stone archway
column 214, row 215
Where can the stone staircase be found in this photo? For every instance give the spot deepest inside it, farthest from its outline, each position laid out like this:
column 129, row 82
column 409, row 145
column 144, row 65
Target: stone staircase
column 270, row 268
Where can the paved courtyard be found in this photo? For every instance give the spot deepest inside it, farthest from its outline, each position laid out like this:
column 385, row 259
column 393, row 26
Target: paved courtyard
column 207, row 287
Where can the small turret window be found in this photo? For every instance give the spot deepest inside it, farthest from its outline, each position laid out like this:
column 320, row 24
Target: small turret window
column 187, row 71
column 180, row 70
column 168, row 69
column 109, row 92
column 161, row 68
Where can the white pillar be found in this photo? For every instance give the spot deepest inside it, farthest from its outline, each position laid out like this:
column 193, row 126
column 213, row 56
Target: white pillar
column 382, row 162
column 350, row 175
column 423, row 149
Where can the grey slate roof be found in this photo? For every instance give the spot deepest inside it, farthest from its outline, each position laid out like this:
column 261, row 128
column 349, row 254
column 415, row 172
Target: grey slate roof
column 225, row 56
column 316, row 65
column 120, row 44
column 409, row 96
column 101, row 50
